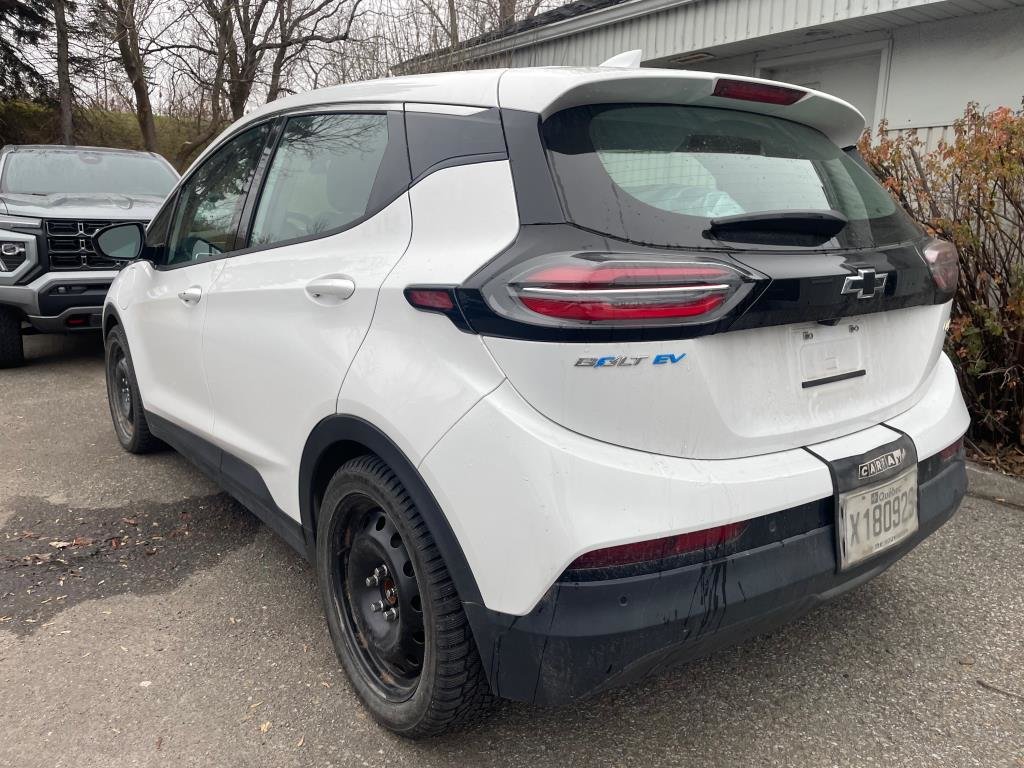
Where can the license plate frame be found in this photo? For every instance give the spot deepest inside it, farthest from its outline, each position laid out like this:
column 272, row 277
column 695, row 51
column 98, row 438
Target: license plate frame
column 855, row 523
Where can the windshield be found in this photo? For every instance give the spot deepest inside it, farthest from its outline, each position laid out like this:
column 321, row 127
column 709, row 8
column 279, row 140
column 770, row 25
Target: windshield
column 658, row 173
column 50, row 171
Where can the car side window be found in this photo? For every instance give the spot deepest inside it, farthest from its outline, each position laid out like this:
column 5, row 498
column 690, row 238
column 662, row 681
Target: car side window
column 210, row 202
column 321, row 177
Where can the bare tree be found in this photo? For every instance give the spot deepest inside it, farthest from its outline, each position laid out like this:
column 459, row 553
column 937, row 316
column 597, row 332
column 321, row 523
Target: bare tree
column 303, row 23
column 124, row 19
column 203, row 64
column 60, row 22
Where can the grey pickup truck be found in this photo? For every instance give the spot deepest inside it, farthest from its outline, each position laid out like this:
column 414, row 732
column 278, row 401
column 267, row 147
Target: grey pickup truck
column 52, row 199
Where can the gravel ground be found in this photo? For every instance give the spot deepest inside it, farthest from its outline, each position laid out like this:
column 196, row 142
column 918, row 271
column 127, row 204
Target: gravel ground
column 169, row 627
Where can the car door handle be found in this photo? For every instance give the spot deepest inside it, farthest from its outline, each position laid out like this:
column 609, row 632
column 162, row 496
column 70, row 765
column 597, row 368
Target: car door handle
column 333, row 286
column 191, row 295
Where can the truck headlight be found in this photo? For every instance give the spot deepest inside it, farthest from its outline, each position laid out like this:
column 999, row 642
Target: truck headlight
column 12, row 254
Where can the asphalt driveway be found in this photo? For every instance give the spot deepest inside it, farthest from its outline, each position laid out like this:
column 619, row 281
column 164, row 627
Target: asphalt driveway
column 147, row 619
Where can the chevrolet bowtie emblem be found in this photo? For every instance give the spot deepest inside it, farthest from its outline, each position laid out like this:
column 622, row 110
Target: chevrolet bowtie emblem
column 865, row 283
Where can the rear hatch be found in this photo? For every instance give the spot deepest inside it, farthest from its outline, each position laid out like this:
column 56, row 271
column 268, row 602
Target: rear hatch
column 724, row 283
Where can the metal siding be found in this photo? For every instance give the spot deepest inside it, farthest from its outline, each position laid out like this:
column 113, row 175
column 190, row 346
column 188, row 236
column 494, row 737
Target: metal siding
column 930, row 135
column 702, row 24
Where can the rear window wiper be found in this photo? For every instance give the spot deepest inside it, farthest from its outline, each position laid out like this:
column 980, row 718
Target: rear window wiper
column 811, row 227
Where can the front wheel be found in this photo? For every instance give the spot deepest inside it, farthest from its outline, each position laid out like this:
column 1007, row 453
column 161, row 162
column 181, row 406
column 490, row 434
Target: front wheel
column 123, row 397
column 12, row 352
column 395, row 619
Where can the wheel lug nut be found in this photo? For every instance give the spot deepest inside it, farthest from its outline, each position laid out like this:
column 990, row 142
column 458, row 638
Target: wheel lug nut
column 391, row 614
column 378, row 573
column 377, row 606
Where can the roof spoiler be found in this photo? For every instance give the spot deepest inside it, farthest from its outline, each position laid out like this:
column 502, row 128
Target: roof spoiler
column 549, row 90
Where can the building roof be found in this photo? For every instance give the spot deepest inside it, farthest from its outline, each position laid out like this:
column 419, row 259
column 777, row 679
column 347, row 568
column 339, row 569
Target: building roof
column 561, row 13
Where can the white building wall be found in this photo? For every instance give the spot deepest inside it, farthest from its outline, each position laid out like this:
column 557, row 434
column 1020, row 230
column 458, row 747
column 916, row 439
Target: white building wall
column 937, row 68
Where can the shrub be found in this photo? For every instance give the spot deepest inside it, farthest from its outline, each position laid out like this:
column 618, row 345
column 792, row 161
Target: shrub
column 970, row 190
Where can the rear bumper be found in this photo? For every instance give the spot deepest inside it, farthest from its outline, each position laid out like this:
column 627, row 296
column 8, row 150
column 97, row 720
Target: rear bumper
column 583, row 638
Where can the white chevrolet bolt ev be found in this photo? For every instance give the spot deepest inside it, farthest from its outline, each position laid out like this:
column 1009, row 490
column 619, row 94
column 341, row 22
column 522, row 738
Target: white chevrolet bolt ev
column 558, row 376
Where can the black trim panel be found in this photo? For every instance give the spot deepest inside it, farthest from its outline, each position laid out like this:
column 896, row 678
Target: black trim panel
column 536, row 195
column 437, row 140
column 834, row 379
column 78, row 295
column 235, row 476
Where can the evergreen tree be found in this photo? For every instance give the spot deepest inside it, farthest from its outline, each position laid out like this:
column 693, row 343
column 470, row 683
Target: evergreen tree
column 23, row 25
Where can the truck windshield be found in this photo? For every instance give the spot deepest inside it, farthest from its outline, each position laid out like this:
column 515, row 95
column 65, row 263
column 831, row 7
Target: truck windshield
column 660, row 174
column 75, row 171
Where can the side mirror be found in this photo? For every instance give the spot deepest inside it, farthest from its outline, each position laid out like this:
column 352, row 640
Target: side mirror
column 120, row 242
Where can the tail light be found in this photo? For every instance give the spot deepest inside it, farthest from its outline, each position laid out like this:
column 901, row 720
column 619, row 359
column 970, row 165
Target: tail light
column 951, row 452
column 944, row 263
column 431, row 299
column 766, row 93
column 659, row 549
column 587, row 289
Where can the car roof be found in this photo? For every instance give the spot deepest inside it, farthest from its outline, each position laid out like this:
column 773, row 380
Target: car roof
column 545, row 90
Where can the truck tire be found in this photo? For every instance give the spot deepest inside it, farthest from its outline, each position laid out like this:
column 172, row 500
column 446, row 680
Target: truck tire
column 12, row 352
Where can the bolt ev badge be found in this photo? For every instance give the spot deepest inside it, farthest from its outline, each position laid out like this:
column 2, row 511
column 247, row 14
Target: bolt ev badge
column 885, row 461
column 613, row 361
column 865, row 283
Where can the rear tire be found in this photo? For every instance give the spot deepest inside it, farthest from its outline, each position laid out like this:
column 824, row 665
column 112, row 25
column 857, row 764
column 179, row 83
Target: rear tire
column 12, row 352
column 126, row 409
column 417, row 669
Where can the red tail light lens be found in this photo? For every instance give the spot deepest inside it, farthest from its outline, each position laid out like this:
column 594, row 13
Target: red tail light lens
column 611, row 290
column 950, row 452
column 944, row 263
column 659, row 549
column 767, row 93
column 436, row 299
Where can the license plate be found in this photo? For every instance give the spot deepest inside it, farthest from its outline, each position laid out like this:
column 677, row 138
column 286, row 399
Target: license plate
column 877, row 518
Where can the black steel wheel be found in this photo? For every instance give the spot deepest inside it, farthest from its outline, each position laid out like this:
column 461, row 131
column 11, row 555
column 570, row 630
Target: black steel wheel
column 119, row 390
column 395, row 618
column 383, row 609
column 126, row 411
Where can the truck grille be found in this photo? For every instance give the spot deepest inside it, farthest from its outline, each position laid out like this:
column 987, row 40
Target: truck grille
column 69, row 244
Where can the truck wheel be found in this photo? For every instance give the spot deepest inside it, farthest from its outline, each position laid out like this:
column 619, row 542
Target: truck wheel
column 12, row 353
column 396, row 621
column 123, row 397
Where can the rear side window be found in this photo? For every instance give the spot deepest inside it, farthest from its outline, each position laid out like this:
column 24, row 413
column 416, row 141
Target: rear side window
column 658, row 173
column 322, row 176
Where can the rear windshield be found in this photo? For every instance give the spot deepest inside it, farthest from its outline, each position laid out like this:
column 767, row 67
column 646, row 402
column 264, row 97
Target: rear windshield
column 658, row 173
column 51, row 171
